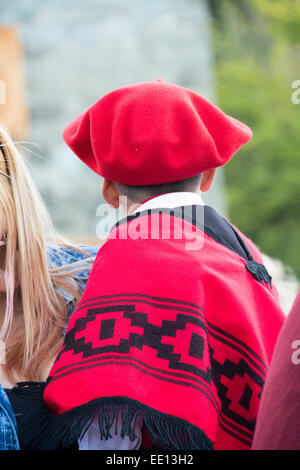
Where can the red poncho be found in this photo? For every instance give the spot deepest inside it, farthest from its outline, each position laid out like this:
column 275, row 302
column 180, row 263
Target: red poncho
column 184, row 336
column 278, row 422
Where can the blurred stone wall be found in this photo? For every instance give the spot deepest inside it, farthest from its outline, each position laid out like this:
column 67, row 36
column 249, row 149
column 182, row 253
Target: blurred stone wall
column 284, row 280
column 77, row 51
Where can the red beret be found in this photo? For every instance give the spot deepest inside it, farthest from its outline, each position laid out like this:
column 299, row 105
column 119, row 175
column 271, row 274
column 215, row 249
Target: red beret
column 154, row 133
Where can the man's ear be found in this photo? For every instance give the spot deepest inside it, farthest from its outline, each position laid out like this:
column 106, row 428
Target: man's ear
column 207, row 179
column 110, row 193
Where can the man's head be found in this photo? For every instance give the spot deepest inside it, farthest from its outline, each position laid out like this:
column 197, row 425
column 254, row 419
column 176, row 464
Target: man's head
column 112, row 191
column 151, row 133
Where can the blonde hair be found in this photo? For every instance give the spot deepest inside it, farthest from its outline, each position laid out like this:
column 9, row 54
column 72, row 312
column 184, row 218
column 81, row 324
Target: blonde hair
column 25, row 218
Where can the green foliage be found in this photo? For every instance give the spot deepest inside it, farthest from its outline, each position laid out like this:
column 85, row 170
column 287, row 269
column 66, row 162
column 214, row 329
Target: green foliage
column 257, row 59
column 282, row 16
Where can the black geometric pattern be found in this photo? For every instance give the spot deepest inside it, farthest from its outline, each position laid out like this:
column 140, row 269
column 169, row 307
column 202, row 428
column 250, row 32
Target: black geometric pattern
column 235, row 412
column 196, row 346
column 151, row 336
column 107, row 328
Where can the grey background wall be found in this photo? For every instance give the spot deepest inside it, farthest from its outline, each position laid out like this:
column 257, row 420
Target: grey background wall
column 75, row 52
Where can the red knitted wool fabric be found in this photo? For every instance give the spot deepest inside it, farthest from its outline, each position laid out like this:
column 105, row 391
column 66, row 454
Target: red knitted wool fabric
column 185, row 337
column 153, row 133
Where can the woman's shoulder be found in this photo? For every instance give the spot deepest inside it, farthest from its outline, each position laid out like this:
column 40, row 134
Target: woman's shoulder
column 64, row 255
column 72, row 257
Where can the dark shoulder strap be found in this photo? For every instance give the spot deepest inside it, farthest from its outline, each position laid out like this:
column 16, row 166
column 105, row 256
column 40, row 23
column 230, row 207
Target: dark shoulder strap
column 216, row 227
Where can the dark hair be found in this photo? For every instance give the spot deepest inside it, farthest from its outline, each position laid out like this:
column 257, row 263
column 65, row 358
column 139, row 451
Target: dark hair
column 141, row 193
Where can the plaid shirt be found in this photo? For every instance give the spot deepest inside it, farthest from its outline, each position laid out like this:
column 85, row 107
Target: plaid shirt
column 57, row 257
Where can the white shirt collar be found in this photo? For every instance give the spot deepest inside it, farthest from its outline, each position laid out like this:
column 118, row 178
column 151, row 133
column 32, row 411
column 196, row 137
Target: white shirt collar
column 170, row 201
